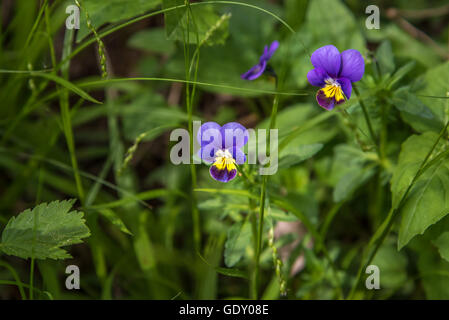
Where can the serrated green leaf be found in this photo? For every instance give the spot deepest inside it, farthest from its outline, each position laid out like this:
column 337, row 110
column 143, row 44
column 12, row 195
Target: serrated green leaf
column 42, row 231
column 428, row 200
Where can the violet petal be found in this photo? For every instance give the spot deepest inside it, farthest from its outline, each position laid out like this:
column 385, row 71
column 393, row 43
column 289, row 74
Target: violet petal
column 346, row 86
column 352, row 65
column 327, row 58
column 323, row 101
column 316, row 77
column 222, row 175
column 255, row 72
column 234, row 135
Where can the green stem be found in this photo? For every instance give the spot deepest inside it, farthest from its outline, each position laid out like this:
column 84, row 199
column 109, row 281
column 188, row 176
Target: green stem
column 366, row 115
column 19, row 284
column 31, row 279
column 64, row 100
column 189, row 105
column 260, row 233
column 263, row 194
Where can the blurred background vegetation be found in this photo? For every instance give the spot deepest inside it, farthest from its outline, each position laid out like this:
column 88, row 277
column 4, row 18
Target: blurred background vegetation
column 59, row 142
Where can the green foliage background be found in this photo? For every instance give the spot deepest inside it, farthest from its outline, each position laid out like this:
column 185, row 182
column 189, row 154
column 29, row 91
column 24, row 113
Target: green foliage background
column 87, row 115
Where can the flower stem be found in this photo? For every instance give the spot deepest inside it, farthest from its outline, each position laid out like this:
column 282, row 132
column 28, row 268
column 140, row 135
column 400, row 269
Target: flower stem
column 366, row 115
column 263, row 193
column 189, row 105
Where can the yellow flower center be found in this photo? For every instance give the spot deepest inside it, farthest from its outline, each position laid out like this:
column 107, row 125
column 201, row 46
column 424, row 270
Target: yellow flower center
column 332, row 89
column 224, row 160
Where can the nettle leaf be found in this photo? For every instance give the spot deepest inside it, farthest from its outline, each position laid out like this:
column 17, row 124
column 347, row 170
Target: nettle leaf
column 428, row 200
column 101, row 12
column 239, row 237
column 203, row 24
column 42, row 231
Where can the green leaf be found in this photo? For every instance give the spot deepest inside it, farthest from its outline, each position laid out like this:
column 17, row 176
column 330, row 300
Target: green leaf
column 404, row 45
column 239, row 237
column 152, row 40
column 433, row 271
column 42, row 231
column 295, row 11
column 392, row 265
column 226, row 271
column 351, row 168
column 147, row 112
column 401, row 73
column 351, row 181
column 237, row 192
column 428, row 200
column 385, row 58
column 115, row 220
column 67, row 84
column 437, row 85
column 142, row 244
column 203, row 24
column 291, row 156
column 101, row 12
column 281, row 215
column 232, row 272
column 414, row 112
column 442, row 243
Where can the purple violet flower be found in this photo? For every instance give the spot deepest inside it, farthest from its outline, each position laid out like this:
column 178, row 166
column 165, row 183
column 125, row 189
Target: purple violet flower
column 221, row 146
column 256, row 71
column 334, row 73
